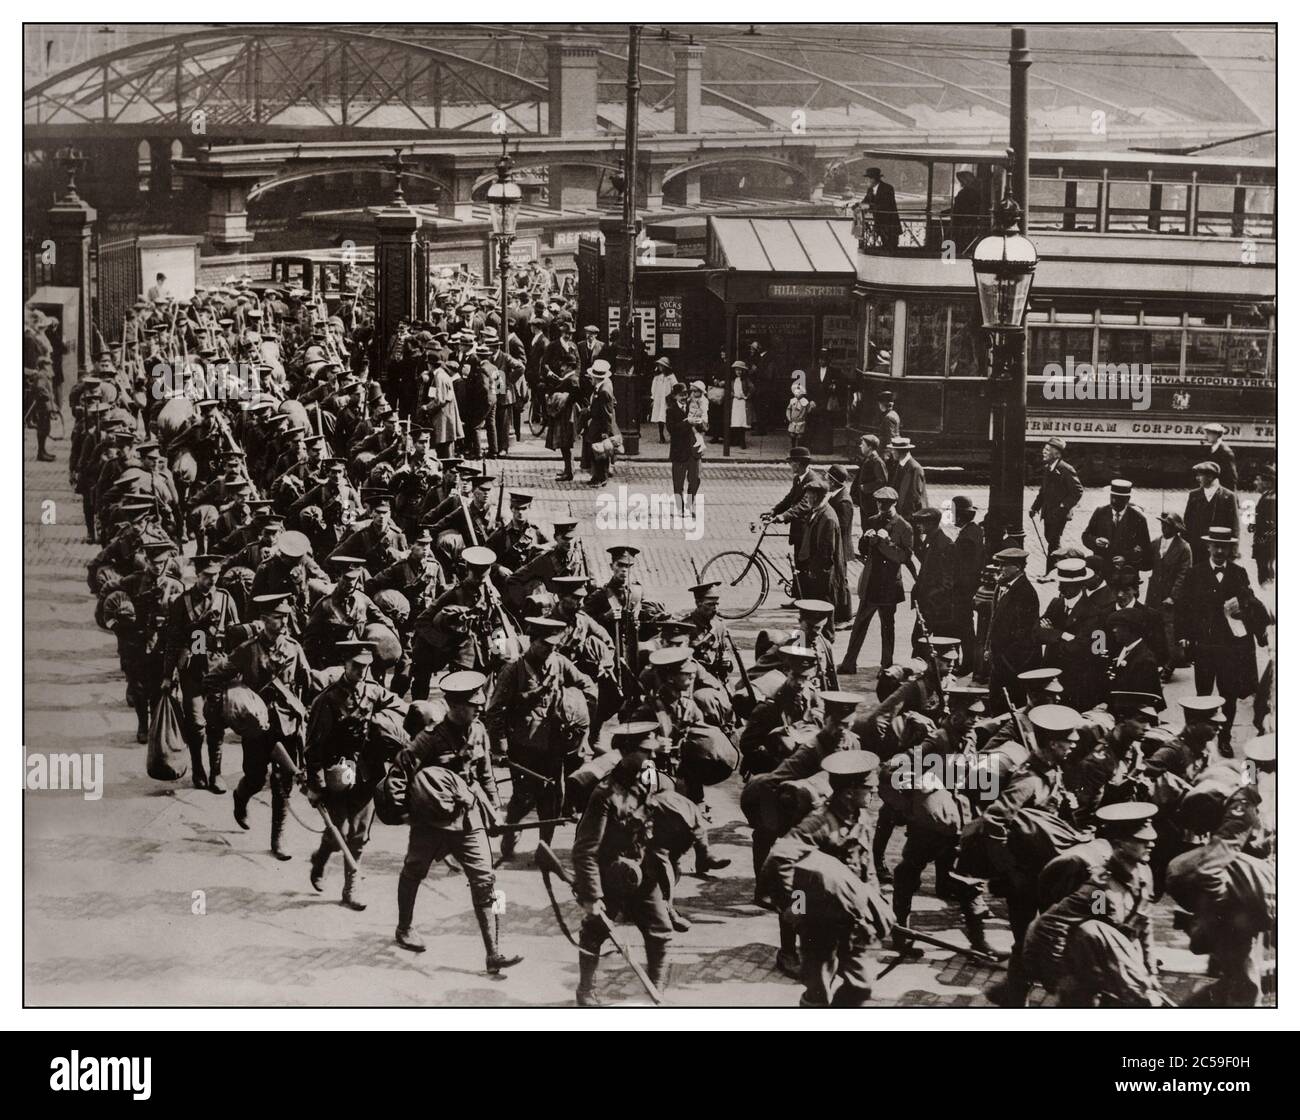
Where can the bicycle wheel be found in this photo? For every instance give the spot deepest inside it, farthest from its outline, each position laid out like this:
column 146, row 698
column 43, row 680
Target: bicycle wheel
column 536, row 418
column 742, row 583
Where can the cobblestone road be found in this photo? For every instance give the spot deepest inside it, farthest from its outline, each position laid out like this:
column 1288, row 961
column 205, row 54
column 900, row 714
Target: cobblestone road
column 153, row 895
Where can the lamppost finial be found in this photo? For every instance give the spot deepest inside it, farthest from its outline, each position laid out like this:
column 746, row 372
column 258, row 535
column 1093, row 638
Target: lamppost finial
column 399, row 196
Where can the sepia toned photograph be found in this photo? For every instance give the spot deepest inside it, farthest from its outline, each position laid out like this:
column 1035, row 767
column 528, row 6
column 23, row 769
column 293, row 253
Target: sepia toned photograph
column 650, row 516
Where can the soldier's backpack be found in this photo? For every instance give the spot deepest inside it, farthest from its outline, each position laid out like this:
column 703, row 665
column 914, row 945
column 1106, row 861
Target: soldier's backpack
column 391, row 792
column 1203, row 806
column 438, row 797
column 828, row 891
column 245, row 712
column 387, row 734
column 708, row 756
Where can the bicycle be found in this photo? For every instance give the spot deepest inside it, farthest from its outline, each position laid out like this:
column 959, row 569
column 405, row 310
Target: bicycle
column 747, row 576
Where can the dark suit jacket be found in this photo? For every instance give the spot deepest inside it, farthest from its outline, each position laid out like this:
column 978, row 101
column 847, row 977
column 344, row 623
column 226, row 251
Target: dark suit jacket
column 1168, row 572
column 881, row 580
column 909, row 481
column 818, row 556
column 1083, row 672
column 1226, row 458
column 884, row 209
column 970, row 563
column 1131, row 539
column 1200, row 621
column 934, row 583
column 798, row 505
column 601, row 422
column 1011, row 637
column 872, row 475
column 1058, row 493
column 1201, row 514
column 843, row 508
column 1139, row 673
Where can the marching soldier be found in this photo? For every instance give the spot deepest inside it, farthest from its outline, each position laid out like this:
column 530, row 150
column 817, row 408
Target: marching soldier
column 588, row 645
column 937, row 813
column 451, row 791
column 342, row 615
column 341, row 771
column 379, row 543
column 151, row 592
column 473, row 518
column 197, row 621
column 458, row 628
column 274, row 666
column 539, row 717
column 825, row 858
column 418, row 576
column 562, row 558
column 792, row 712
column 1095, row 946
column 1058, row 494
column 810, row 633
column 710, row 640
column 518, row 540
column 620, row 606
column 617, row 872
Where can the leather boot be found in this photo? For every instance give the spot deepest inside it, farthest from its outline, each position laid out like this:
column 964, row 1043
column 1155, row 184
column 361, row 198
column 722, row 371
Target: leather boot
column 588, row 963
column 705, row 862
column 241, row 808
column 351, row 888
column 197, row 773
column 489, row 926
column 319, row 858
column 279, row 813
column 879, row 845
column 974, row 925
column 141, row 721
column 1013, row 989
column 215, row 784
column 656, row 962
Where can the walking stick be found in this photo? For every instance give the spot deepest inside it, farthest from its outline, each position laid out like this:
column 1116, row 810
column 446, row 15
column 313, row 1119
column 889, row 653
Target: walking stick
column 1047, row 562
column 550, row 864
column 281, row 758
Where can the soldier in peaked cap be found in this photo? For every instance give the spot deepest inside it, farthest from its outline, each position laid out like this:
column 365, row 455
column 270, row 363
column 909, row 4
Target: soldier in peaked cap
column 810, row 632
column 341, row 615
column 538, row 717
column 449, row 763
column 621, row 607
column 274, row 666
column 342, row 770
column 709, row 640
column 1095, row 946
column 617, row 864
column 780, row 721
column 825, row 858
column 518, row 540
column 197, row 621
column 564, row 557
column 1058, row 493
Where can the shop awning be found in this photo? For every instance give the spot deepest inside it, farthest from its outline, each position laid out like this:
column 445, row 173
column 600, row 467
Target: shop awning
column 817, row 245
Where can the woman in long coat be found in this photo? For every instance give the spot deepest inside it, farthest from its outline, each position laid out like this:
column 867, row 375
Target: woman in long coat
column 561, row 401
column 447, row 426
column 660, row 388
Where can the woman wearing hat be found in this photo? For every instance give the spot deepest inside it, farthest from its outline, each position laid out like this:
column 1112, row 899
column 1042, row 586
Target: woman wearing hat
column 741, row 389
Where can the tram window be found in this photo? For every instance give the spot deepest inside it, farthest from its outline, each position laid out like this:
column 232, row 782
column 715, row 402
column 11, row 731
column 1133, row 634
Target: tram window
column 1246, row 353
column 966, row 342
column 1123, row 346
column 1130, row 206
column 880, row 335
column 1259, row 212
column 1047, row 203
column 1214, row 211
column 1207, row 353
column 1166, row 352
column 1055, row 344
column 927, row 329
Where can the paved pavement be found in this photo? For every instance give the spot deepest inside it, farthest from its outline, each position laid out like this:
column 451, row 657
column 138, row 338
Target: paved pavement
column 153, row 895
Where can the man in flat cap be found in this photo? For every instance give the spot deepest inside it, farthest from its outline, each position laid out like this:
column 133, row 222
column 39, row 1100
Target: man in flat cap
column 933, row 592
column 1171, row 561
column 1011, row 646
column 1221, row 454
column 1058, row 494
column 819, row 563
column 968, row 567
column 1210, row 504
column 885, row 547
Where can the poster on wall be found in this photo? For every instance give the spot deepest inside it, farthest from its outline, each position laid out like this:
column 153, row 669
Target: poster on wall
column 646, row 318
column 789, row 339
column 670, row 322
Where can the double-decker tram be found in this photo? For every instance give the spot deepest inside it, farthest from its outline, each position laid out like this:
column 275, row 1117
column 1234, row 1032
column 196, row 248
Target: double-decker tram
column 1153, row 309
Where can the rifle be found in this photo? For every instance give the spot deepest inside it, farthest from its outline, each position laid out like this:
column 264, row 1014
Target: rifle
column 501, row 494
column 744, row 673
column 281, row 757
column 1026, row 739
column 933, row 659
column 550, row 865
column 965, row 950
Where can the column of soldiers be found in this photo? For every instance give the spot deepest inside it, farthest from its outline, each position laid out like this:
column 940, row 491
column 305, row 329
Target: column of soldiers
column 343, row 558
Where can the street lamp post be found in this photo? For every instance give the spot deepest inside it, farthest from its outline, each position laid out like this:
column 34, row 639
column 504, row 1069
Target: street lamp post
column 1004, row 263
column 504, row 200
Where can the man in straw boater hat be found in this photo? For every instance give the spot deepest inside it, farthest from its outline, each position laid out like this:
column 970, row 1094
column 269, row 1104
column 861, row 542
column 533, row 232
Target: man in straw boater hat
column 1219, row 617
